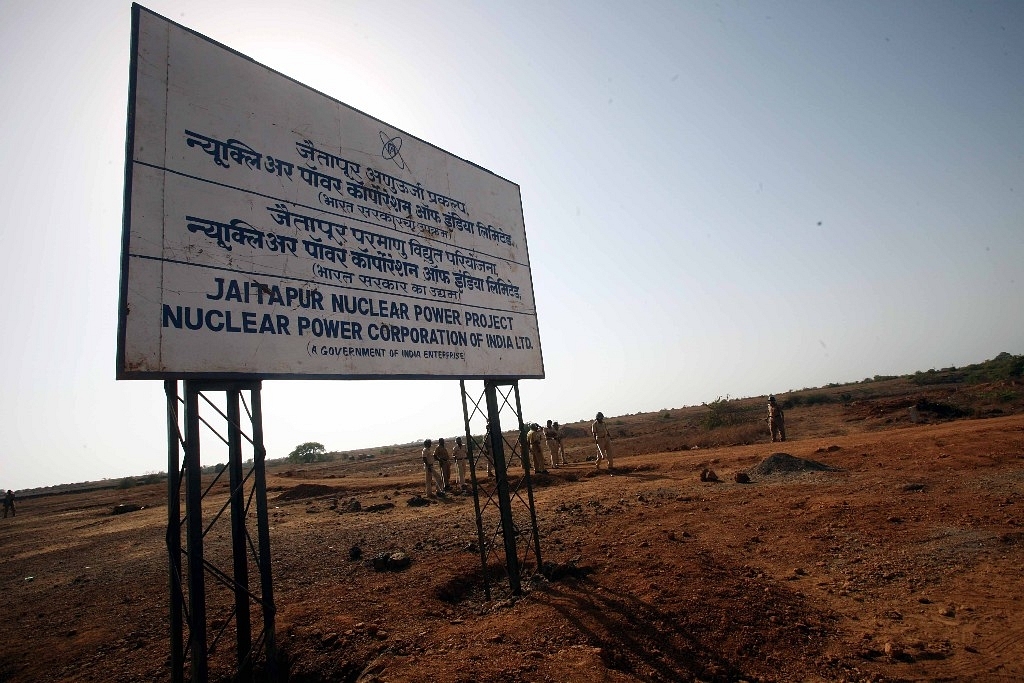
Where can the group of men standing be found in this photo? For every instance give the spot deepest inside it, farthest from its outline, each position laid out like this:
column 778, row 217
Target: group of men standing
column 437, row 463
column 550, row 435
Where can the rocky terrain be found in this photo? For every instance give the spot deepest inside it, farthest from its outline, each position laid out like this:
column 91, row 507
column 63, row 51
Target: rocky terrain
column 882, row 542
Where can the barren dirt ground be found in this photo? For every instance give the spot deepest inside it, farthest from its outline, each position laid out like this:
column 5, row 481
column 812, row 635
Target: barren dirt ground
column 902, row 564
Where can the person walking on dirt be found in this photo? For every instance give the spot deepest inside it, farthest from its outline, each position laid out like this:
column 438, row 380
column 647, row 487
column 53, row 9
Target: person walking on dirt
column 533, row 439
column 776, row 420
column 441, row 456
column 550, row 439
column 604, row 441
column 9, row 504
column 432, row 477
column 459, row 456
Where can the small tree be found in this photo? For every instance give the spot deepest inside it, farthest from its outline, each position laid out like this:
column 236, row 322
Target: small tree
column 311, row 451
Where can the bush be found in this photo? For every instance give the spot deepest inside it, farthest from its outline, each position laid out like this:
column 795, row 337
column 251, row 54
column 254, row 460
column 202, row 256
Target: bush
column 1003, row 367
column 723, row 412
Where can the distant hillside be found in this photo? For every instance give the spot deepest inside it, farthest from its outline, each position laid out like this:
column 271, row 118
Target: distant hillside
column 989, row 389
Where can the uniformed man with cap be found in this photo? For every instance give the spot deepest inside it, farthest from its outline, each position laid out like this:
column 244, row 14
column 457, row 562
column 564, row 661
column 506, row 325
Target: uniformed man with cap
column 533, row 440
column 776, row 420
column 459, row 456
column 445, row 463
column 604, row 441
column 432, row 476
column 558, row 444
column 551, row 439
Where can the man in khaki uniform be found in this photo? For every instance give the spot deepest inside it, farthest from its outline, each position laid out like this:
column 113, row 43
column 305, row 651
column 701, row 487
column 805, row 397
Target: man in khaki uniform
column 551, row 439
column 445, row 463
column 558, row 442
column 459, row 456
column 604, row 441
column 533, row 439
column 428, row 467
column 776, row 420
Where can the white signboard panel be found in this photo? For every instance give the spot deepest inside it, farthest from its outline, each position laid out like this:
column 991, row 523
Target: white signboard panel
column 271, row 231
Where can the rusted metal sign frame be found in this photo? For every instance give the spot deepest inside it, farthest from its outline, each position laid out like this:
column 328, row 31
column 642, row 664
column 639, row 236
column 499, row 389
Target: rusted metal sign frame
column 518, row 541
column 188, row 591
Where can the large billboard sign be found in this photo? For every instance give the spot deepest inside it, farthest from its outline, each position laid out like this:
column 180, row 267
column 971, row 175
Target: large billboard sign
column 271, row 231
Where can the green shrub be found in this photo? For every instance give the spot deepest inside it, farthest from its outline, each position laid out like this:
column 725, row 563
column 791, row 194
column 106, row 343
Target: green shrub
column 723, row 412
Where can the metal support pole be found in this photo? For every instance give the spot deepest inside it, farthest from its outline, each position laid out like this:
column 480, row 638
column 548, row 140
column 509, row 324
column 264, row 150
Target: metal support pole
column 263, row 529
column 470, row 444
column 174, row 534
column 529, row 489
column 508, row 529
column 244, row 552
column 194, row 537
column 238, row 536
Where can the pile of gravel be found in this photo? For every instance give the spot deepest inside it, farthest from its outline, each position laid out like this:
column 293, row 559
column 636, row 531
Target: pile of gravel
column 784, row 463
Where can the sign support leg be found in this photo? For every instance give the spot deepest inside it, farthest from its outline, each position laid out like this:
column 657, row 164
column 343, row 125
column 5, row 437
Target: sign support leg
column 508, row 529
column 174, row 534
column 194, row 538
column 243, row 488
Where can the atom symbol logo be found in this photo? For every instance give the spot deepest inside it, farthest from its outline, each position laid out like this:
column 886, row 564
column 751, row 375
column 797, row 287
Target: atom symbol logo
column 392, row 149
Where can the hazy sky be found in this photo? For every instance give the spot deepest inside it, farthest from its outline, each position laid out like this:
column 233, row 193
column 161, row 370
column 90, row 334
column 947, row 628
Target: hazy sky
column 720, row 198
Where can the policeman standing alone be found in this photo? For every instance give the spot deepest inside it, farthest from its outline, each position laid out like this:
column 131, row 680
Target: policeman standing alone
column 776, row 420
column 604, row 441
